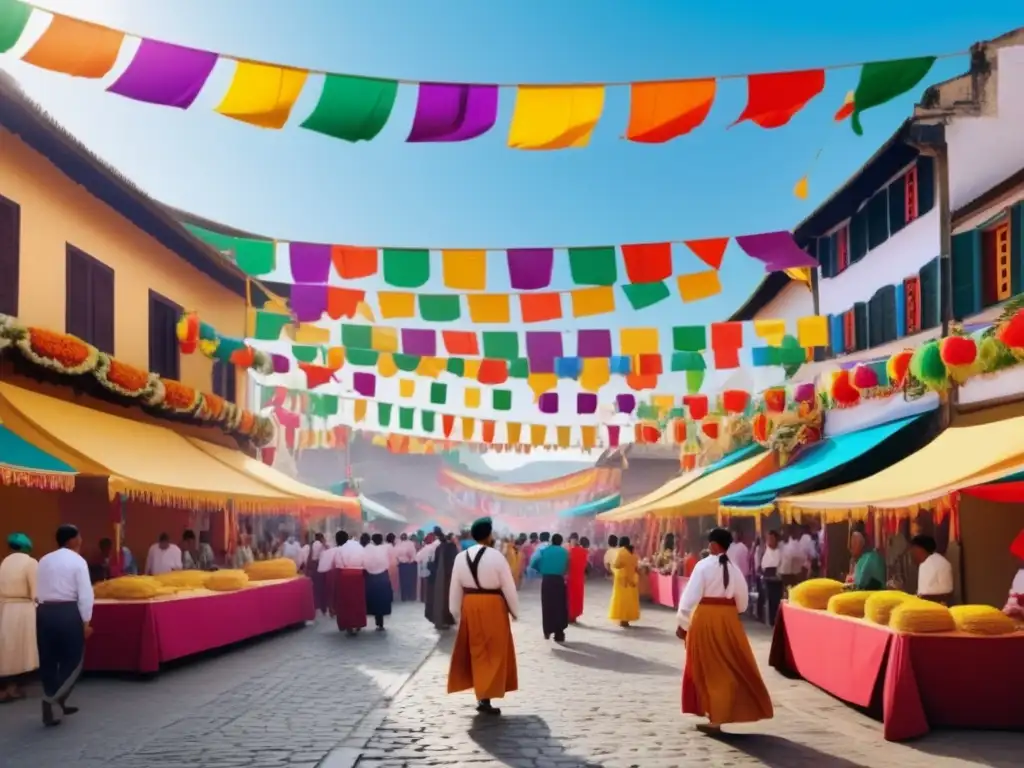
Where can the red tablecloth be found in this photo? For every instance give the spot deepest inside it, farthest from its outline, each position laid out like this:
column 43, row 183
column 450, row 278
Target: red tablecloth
column 917, row 682
column 139, row 637
column 663, row 589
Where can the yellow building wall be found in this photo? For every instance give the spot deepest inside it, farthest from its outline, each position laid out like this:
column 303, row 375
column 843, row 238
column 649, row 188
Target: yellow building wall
column 56, row 211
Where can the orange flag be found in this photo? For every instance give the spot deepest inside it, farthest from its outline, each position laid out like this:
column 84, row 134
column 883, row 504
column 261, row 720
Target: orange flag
column 659, row 112
column 447, row 424
column 76, row 48
column 773, row 99
column 711, row 251
column 540, row 307
column 488, row 431
column 352, row 262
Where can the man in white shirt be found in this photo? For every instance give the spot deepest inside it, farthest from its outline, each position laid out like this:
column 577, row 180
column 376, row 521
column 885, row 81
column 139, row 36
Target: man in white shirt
column 482, row 596
column 405, row 555
column 739, row 555
column 809, row 545
column 379, row 593
column 292, row 550
column 769, row 592
column 65, row 596
column 163, row 557
column 349, row 580
column 934, row 573
column 794, row 565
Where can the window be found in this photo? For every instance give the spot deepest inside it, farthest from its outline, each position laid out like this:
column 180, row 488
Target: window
column 878, row 218
column 887, row 306
column 826, row 257
column 860, row 326
column 966, row 274
column 912, row 304
column 858, row 235
column 164, row 357
column 898, row 204
column 225, row 382
column 849, row 331
column 842, row 247
column 929, row 281
column 995, row 264
column 89, row 299
column 925, row 172
column 910, row 195
column 10, row 255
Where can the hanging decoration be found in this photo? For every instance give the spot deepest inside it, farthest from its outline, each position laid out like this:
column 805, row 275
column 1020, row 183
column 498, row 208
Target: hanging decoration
column 354, row 108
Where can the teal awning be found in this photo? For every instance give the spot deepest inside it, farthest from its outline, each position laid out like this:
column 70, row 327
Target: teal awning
column 593, row 507
column 740, row 454
column 21, row 463
column 822, row 465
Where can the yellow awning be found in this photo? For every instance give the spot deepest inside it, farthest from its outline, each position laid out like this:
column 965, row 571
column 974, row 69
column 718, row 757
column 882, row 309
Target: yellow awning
column 701, row 496
column 142, row 460
column 638, row 507
column 962, row 455
column 259, row 471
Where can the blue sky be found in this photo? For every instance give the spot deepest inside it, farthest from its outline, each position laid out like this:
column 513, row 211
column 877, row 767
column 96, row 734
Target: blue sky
column 297, row 185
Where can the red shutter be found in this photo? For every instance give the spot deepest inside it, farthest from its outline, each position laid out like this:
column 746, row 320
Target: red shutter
column 849, row 331
column 912, row 295
column 10, row 256
column 842, row 248
column 910, row 187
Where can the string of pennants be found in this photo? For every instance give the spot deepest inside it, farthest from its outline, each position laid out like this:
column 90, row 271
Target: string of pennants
column 354, row 108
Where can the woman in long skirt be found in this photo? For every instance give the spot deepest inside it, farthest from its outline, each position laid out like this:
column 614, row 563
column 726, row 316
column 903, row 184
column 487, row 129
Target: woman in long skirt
column 721, row 680
column 625, row 604
column 19, row 654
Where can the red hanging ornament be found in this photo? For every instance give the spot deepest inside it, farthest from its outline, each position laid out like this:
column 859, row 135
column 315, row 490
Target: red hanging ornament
column 1011, row 333
column 759, row 427
column 697, row 405
column 898, row 366
column 843, row 391
column 735, row 400
column 958, row 350
column 864, row 377
column 710, row 428
column 775, row 399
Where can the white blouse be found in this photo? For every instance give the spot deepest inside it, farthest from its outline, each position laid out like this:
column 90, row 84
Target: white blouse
column 707, row 580
column 494, row 573
column 350, row 555
column 376, row 559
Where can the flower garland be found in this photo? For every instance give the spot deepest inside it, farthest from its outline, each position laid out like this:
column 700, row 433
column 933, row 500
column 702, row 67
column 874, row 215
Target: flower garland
column 195, row 335
column 58, row 352
column 123, row 379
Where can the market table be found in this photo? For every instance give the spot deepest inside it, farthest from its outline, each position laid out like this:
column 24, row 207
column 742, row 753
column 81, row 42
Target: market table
column 917, row 681
column 663, row 589
column 140, row 635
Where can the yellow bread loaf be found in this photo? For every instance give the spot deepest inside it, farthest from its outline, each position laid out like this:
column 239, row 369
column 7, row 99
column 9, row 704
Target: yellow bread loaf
column 849, row 603
column 879, row 605
column 269, row 570
column 982, row 620
column 227, row 581
column 815, row 593
column 921, row 616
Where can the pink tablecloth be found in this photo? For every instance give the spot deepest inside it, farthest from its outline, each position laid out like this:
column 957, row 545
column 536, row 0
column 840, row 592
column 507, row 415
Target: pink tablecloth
column 663, row 589
column 139, row 637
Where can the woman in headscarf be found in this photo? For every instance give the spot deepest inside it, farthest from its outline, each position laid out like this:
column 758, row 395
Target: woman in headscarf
column 19, row 654
column 721, row 680
column 625, row 605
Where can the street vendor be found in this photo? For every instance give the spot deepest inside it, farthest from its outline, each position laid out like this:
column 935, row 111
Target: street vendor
column 867, row 567
column 1015, row 604
column 934, row 573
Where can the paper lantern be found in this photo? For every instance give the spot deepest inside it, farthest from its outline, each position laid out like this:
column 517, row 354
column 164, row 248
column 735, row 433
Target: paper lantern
column 697, row 405
column 1011, row 333
column 735, row 400
column 710, row 428
column 927, row 367
column 864, row 377
column 759, row 428
column 647, row 433
column 188, row 333
column 804, row 393
column 843, row 391
column 958, row 350
column 897, row 367
column 775, row 399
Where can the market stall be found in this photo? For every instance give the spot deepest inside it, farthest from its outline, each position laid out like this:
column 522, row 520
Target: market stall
column 915, row 682
column 140, row 636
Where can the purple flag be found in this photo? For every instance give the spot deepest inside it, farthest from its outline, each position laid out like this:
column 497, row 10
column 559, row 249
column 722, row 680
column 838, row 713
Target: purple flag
column 364, row 383
column 626, row 403
column 281, row 363
column 594, row 343
column 419, row 341
column 452, row 112
column 530, row 268
column 548, row 402
column 542, row 347
column 308, row 302
column 777, row 250
column 162, row 73
column 311, row 263
column 586, row 402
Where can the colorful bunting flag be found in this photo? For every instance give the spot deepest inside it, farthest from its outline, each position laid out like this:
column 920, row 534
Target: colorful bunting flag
column 587, row 302
column 773, row 99
column 310, row 263
column 489, row 308
column 711, row 250
column 777, row 250
column 555, row 117
column 352, row 263
column 74, row 47
column 14, row 16
column 593, row 266
column 396, row 305
column 464, row 270
column 699, row 285
column 660, row 112
column 449, row 112
column 540, row 307
column 352, row 108
column 262, row 94
column 648, row 262
column 165, row 74
column 530, row 269
column 643, row 295
column 883, row 81
column 440, row 307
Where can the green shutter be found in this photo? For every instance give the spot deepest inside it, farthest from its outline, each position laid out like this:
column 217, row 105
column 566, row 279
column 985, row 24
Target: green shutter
column 875, row 326
column 925, row 185
column 897, row 205
column 827, row 256
column 966, row 269
column 860, row 326
column 888, row 306
column 930, row 296
column 1017, row 248
column 878, row 218
column 858, row 235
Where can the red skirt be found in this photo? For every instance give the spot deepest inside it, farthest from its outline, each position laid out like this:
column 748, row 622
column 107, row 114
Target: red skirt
column 349, row 598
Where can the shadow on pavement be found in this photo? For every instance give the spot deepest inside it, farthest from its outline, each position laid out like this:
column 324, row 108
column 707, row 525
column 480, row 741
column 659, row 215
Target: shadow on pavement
column 599, row 657
column 777, row 752
column 523, row 736
column 996, row 749
column 647, row 634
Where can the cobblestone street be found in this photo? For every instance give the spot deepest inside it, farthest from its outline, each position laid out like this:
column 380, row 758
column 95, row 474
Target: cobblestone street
column 313, row 697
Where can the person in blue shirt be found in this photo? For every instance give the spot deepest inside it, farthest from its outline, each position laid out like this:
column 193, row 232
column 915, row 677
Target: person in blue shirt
column 552, row 562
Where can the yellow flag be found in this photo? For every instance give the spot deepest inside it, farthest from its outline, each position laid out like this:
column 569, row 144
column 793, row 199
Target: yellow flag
column 771, row 331
column 468, row 427
column 564, row 436
column 489, row 307
column 638, row 341
column 699, row 285
column 664, row 403
column 595, row 374
column 262, row 94
column 802, row 188
column 538, row 434
column 472, row 397
column 464, row 270
column 472, row 369
column 406, row 388
column 812, row 331
column 431, row 367
column 311, row 334
column 587, row 302
column 555, row 116
column 384, row 339
column 359, row 411
column 386, row 365
column 588, row 436
column 335, row 358
column 514, row 431
column 365, row 311
column 541, row 383
column 396, row 305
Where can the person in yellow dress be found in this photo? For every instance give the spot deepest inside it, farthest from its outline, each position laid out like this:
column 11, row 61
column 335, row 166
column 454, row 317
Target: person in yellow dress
column 625, row 605
column 512, row 556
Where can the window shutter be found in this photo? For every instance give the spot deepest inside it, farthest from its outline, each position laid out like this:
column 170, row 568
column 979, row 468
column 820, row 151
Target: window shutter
column 826, row 256
column 925, row 184
column 836, row 334
column 887, row 305
column 900, row 310
column 77, row 308
column 858, row 236
column 874, row 320
column 910, row 195
column 1017, row 248
column 842, row 247
column 966, row 274
column 224, row 380
column 861, row 330
column 928, row 277
column 898, row 205
column 164, row 356
column 912, row 292
column 878, row 218
column 102, row 306
column 10, row 256
column 849, row 331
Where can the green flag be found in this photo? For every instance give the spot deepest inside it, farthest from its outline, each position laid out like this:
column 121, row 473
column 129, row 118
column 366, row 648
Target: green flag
column 13, row 18
column 352, row 108
column 883, row 81
column 642, row 295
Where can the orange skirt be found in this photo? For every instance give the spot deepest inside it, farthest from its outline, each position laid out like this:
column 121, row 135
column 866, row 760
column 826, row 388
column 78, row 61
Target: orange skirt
column 721, row 680
column 484, row 657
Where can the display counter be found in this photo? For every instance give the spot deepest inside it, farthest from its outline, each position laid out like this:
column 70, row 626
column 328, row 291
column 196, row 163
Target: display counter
column 664, row 590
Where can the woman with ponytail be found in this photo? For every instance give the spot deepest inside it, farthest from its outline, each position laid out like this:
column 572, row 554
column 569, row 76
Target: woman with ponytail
column 721, row 680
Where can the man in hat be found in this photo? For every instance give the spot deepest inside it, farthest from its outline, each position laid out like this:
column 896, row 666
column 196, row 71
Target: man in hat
column 482, row 597
column 65, row 596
